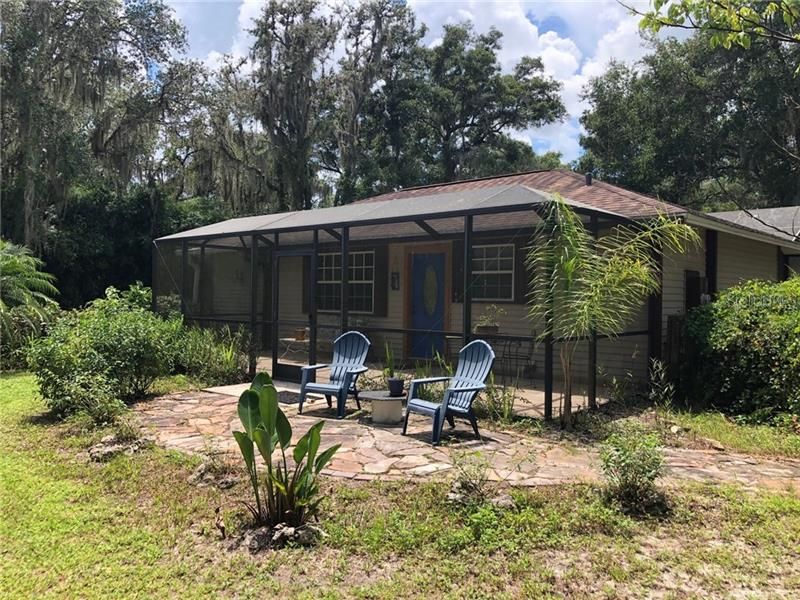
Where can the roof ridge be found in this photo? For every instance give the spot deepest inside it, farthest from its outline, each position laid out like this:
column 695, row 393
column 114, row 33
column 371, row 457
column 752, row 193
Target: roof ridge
column 457, row 181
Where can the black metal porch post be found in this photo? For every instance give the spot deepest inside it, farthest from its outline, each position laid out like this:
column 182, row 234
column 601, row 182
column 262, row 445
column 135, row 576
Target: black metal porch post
column 252, row 358
column 592, row 375
column 184, row 274
column 467, row 305
column 312, row 301
column 275, row 299
column 154, row 265
column 654, row 311
column 712, row 242
column 345, row 292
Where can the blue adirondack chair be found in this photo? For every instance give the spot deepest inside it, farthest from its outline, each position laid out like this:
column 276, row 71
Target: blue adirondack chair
column 349, row 353
column 474, row 364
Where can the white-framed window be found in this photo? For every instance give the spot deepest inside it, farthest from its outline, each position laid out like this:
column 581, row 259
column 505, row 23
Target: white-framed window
column 493, row 272
column 361, row 282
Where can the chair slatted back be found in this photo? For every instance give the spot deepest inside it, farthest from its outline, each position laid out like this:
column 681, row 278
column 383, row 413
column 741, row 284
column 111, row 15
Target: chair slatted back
column 475, row 362
column 349, row 352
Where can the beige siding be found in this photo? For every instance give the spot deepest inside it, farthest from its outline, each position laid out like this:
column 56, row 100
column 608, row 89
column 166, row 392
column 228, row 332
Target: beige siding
column 674, row 279
column 741, row 259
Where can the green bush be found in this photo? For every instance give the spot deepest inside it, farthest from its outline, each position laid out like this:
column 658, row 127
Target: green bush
column 213, row 356
column 743, row 351
column 92, row 395
column 114, row 341
column 632, row 459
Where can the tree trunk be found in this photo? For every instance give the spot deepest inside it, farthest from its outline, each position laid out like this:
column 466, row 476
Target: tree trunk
column 566, row 368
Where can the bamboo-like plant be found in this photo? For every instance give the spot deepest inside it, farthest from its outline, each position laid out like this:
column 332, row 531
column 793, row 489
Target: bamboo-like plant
column 580, row 284
column 286, row 494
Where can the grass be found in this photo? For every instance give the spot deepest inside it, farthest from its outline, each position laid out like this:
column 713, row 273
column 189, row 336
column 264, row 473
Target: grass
column 134, row 528
column 747, row 438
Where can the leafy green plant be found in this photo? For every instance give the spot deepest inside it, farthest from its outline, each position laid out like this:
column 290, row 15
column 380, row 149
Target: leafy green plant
column 662, row 391
column 285, row 494
column 89, row 394
column 26, row 303
column 388, row 369
column 472, row 477
column 113, row 340
column 213, row 356
column 490, row 317
column 497, row 401
column 582, row 285
column 743, row 351
column 621, row 389
column 632, row 460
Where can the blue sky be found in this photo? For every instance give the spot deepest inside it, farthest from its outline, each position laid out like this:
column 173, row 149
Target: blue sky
column 575, row 39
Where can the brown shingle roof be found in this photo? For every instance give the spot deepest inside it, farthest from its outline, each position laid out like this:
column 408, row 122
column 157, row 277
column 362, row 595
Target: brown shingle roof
column 567, row 183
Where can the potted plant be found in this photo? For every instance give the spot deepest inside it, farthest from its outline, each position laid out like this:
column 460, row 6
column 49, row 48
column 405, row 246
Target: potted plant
column 489, row 322
column 395, row 383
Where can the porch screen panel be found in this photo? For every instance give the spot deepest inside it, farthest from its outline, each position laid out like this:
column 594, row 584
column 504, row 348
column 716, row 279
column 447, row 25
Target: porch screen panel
column 167, row 277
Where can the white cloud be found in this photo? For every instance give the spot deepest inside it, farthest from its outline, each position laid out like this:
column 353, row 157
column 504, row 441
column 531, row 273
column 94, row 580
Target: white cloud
column 593, row 33
column 579, row 39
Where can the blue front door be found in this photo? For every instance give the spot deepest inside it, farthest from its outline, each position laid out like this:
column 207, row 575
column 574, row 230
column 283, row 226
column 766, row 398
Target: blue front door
column 427, row 303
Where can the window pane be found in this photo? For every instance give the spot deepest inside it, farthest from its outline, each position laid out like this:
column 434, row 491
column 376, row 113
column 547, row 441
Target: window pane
column 361, row 275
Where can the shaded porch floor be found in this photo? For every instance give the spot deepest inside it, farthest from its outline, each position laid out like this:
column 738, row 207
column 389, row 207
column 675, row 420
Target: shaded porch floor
column 528, row 392
column 202, row 422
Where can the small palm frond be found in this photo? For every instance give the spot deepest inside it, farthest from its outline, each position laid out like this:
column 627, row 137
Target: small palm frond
column 580, row 284
column 25, row 290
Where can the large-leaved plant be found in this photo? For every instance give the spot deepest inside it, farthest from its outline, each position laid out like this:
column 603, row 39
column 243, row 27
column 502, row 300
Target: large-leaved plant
column 288, row 492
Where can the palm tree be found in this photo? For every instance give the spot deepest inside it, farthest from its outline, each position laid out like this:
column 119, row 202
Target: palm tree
column 25, row 293
column 581, row 285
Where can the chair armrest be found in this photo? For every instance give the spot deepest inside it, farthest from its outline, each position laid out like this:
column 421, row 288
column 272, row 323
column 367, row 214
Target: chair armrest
column 472, row 388
column 415, row 383
column 429, row 380
column 313, row 367
column 359, row 370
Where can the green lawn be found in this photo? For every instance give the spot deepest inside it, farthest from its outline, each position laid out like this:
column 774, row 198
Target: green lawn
column 135, row 528
column 750, row 439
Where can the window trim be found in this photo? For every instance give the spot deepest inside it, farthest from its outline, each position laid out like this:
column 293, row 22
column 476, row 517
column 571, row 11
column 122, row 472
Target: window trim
column 512, row 272
column 332, row 311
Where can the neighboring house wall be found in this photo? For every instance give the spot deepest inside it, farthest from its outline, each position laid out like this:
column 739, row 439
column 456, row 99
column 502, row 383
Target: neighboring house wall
column 741, row 259
column 794, row 265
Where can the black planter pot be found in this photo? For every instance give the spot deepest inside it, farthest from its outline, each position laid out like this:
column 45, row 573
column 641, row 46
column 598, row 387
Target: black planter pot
column 395, row 386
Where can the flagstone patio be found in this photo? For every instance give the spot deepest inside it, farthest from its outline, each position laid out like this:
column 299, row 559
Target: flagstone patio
column 201, row 422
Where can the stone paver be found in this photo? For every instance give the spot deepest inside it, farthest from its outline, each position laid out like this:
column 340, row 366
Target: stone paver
column 199, row 422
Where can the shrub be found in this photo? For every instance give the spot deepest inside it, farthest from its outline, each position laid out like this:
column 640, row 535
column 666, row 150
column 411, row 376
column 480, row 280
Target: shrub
column 91, row 395
column 213, row 356
column 662, row 391
column 289, row 494
column 112, row 340
column 743, row 350
column 496, row 402
column 632, row 459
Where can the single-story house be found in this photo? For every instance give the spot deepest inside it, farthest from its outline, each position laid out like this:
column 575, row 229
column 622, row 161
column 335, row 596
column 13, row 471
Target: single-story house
column 427, row 264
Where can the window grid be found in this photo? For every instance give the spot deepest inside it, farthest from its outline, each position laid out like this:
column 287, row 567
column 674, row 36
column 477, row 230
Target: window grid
column 493, row 272
column 361, row 282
